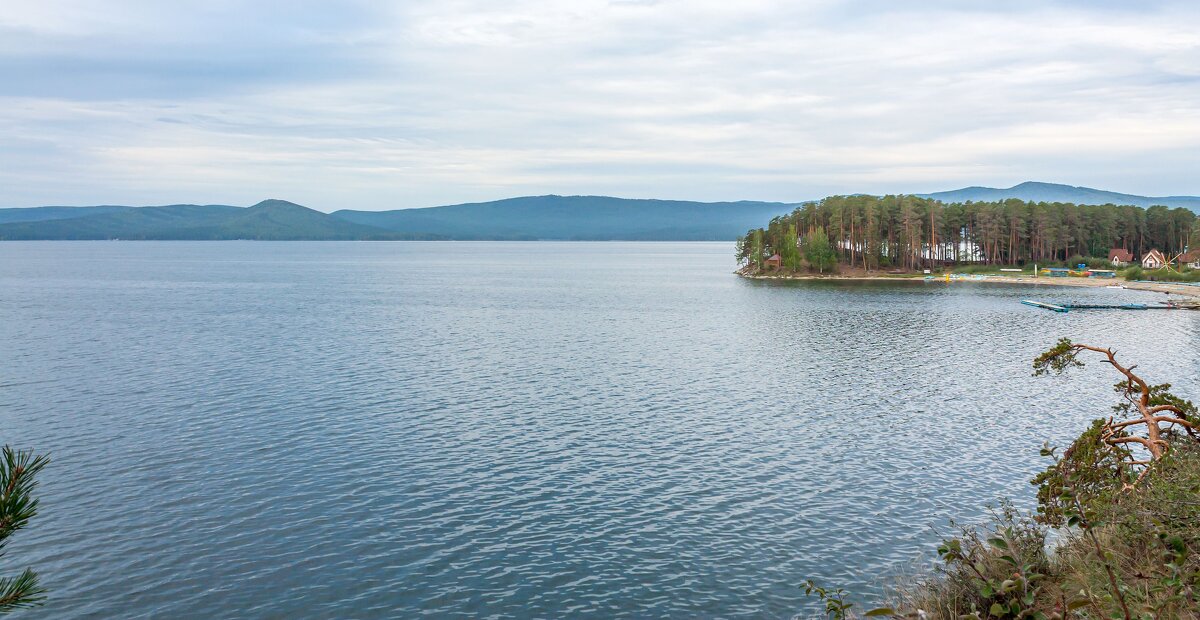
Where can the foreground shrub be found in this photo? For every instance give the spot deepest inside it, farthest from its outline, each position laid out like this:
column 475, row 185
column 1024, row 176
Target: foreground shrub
column 1120, row 509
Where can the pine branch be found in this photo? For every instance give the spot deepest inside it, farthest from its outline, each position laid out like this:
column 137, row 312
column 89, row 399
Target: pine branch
column 18, row 479
column 20, row 592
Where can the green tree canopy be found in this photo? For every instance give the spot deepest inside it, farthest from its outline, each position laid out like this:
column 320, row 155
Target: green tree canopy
column 818, row 251
column 871, row 232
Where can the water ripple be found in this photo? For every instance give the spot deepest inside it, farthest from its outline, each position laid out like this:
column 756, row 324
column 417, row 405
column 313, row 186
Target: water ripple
column 370, row 430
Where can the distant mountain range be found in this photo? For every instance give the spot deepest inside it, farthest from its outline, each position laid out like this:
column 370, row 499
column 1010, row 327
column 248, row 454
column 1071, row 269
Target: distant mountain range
column 534, row 217
column 272, row 220
column 578, row 218
column 1033, row 191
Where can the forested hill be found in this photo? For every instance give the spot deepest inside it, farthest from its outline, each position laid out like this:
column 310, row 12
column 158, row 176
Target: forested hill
column 538, row 217
column 1053, row 192
column 911, row 232
column 267, row 220
column 578, row 218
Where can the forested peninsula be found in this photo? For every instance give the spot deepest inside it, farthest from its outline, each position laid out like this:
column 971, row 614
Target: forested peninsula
column 909, row 233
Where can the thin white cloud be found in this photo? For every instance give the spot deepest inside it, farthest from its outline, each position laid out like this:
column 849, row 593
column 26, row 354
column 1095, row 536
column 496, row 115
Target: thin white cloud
column 376, row 106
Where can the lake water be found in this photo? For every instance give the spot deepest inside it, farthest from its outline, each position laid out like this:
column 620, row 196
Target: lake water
column 373, row 430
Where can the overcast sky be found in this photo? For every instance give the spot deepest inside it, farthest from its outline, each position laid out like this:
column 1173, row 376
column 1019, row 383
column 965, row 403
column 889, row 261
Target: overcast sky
column 380, row 105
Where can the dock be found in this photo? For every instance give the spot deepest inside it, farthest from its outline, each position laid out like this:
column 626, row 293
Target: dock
column 1067, row 307
column 1039, row 304
column 1115, row 307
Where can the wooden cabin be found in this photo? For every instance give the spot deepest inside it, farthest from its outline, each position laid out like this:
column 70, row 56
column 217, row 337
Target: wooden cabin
column 1191, row 260
column 775, row 262
column 1154, row 260
column 1119, row 257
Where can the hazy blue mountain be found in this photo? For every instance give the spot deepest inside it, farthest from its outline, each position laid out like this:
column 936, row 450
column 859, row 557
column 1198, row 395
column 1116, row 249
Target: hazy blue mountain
column 1054, row 192
column 281, row 220
column 532, row 217
column 267, row 220
column 115, row 222
column 41, row 214
column 578, row 218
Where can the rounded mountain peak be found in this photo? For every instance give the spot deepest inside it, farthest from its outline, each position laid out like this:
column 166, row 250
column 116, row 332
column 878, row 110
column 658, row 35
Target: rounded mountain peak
column 275, row 203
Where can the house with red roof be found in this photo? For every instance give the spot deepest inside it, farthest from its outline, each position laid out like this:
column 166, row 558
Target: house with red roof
column 1119, row 257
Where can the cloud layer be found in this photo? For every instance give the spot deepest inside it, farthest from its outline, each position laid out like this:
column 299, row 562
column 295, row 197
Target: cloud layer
column 379, row 105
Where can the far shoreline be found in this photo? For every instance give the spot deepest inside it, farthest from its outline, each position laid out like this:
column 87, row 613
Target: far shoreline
column 1168, row 288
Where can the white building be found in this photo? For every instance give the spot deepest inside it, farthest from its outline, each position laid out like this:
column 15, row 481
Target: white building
column 1154, row 260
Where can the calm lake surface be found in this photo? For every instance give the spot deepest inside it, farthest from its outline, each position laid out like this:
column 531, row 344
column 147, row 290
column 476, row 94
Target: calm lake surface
column 374, row 430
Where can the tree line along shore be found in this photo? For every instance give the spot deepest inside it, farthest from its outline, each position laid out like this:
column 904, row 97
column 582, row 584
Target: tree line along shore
column 864, row 235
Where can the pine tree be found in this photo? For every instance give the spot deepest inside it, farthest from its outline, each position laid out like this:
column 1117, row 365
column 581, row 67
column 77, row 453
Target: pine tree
column 790, row 249
column 818, row 251
column 756, row 248
column 18, row 478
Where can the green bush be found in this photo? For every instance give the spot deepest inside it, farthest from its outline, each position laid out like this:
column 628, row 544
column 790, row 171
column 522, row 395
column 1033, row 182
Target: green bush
column 1075, row 261
column 1146, row 541
column 1133, row 272
column 1171, row 275
column 1097, row 476
column 1126, row 540
column 991, row 572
